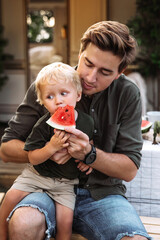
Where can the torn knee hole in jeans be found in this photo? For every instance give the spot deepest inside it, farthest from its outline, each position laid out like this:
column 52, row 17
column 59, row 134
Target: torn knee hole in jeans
column 126, row 234
column 48, row 223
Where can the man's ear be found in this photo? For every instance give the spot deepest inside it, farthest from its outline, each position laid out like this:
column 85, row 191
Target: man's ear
column 118, row 76
column 120, row 73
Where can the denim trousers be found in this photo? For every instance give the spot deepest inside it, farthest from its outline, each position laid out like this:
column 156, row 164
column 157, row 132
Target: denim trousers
column 110, row 218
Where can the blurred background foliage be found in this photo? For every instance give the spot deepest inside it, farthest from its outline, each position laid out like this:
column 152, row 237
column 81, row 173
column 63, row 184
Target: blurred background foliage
column 145, row 26
column 40, row 26
column 3, row 57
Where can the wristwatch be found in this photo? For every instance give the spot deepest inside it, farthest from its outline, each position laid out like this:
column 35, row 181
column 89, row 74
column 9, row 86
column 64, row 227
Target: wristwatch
column 91, row 156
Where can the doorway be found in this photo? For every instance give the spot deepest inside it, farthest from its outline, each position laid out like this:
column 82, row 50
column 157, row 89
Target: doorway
column 46, row 34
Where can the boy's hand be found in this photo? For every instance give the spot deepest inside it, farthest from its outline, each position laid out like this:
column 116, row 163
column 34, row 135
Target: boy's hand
column 59, row 140
column 83, row 167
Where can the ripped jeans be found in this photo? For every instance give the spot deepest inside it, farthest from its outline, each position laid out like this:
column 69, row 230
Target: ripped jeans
column 110, row 218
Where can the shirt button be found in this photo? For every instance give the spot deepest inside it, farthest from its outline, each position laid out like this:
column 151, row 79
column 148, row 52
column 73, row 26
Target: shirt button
column 92, row 109
column 95, row 130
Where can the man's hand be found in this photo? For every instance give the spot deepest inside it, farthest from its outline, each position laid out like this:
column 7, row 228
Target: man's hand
column 79, row 144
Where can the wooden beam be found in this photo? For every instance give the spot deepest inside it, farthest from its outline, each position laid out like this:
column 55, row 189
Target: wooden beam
column 1, row 196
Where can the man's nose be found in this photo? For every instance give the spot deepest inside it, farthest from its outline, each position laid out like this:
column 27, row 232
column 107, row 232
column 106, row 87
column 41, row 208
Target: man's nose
column 92, row 75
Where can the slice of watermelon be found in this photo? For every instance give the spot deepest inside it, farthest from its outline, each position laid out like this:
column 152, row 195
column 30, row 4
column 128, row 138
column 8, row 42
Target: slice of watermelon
column 145, row 126
column 63, row 117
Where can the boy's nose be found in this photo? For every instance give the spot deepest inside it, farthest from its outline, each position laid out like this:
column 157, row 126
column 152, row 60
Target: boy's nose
column 58, row 100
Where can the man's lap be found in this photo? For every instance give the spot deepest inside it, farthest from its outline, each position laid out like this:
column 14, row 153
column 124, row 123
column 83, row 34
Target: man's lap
column 106, row 219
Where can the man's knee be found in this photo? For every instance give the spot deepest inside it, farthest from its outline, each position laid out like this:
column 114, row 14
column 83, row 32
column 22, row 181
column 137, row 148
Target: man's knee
column 27, row 223
column 136, row 237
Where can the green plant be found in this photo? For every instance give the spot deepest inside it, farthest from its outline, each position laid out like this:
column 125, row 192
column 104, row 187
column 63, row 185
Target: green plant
column 40, row 26
column 145, row 26
column 156, row 131
column 3, row 57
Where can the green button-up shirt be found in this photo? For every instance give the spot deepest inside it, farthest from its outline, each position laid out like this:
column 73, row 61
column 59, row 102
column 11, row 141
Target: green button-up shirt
column 117, row 119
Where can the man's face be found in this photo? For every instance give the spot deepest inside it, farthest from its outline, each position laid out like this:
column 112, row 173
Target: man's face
column 97, row 69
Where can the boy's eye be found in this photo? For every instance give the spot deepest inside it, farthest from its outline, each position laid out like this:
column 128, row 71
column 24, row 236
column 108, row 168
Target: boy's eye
column 50, row 97
column 63, row 93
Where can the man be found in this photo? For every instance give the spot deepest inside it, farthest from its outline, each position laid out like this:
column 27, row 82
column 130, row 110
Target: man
column 101, row 211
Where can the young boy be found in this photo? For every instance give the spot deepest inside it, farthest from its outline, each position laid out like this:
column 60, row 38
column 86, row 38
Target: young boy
column 57, row 85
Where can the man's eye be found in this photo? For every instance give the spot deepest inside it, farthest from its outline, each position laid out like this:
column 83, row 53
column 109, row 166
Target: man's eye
column 104, row 73
column 50, row 97
column 88, row 64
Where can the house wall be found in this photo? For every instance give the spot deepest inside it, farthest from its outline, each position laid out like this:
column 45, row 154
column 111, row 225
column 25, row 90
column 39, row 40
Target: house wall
column 12, row 93
column 81, row 14
column 121, row 10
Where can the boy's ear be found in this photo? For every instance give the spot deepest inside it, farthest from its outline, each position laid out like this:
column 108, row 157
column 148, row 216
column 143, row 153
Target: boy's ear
column 79, row 96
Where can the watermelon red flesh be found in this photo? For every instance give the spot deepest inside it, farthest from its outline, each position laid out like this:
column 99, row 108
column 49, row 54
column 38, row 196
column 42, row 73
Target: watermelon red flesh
column 145, row 126
column 63, row 117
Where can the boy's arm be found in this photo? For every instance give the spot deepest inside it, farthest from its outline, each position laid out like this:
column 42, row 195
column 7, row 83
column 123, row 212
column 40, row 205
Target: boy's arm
column 38, row 156
column 56, row 143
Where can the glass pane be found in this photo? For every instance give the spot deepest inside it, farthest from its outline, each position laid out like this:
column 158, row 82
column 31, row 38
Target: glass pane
column 40, row 26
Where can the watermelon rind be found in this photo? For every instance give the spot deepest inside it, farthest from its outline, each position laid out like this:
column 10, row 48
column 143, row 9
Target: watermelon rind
column 57, row 126
column 147, row 127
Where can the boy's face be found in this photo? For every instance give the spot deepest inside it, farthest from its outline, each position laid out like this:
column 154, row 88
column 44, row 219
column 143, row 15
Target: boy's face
column 97, row 69
column 59, row 94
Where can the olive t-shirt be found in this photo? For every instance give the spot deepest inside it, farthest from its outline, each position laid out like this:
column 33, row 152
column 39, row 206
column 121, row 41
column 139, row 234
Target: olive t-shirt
column 42, row 133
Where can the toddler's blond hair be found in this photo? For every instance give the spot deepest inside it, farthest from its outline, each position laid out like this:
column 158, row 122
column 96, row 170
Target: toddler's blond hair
column 57, row 72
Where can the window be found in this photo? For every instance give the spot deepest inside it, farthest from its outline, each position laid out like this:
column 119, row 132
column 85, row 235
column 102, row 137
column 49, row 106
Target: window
column 40, row 26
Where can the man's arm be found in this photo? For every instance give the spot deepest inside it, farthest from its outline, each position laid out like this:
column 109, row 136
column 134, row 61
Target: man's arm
column 115, row 165
column 112, row 164
column 19, row 127
column 12, row 151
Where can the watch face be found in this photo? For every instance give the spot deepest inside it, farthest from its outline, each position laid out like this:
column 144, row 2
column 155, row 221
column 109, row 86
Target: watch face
column 91, row 158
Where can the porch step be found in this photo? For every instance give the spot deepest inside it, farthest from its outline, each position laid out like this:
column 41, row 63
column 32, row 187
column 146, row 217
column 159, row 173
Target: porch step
column 152, row 226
